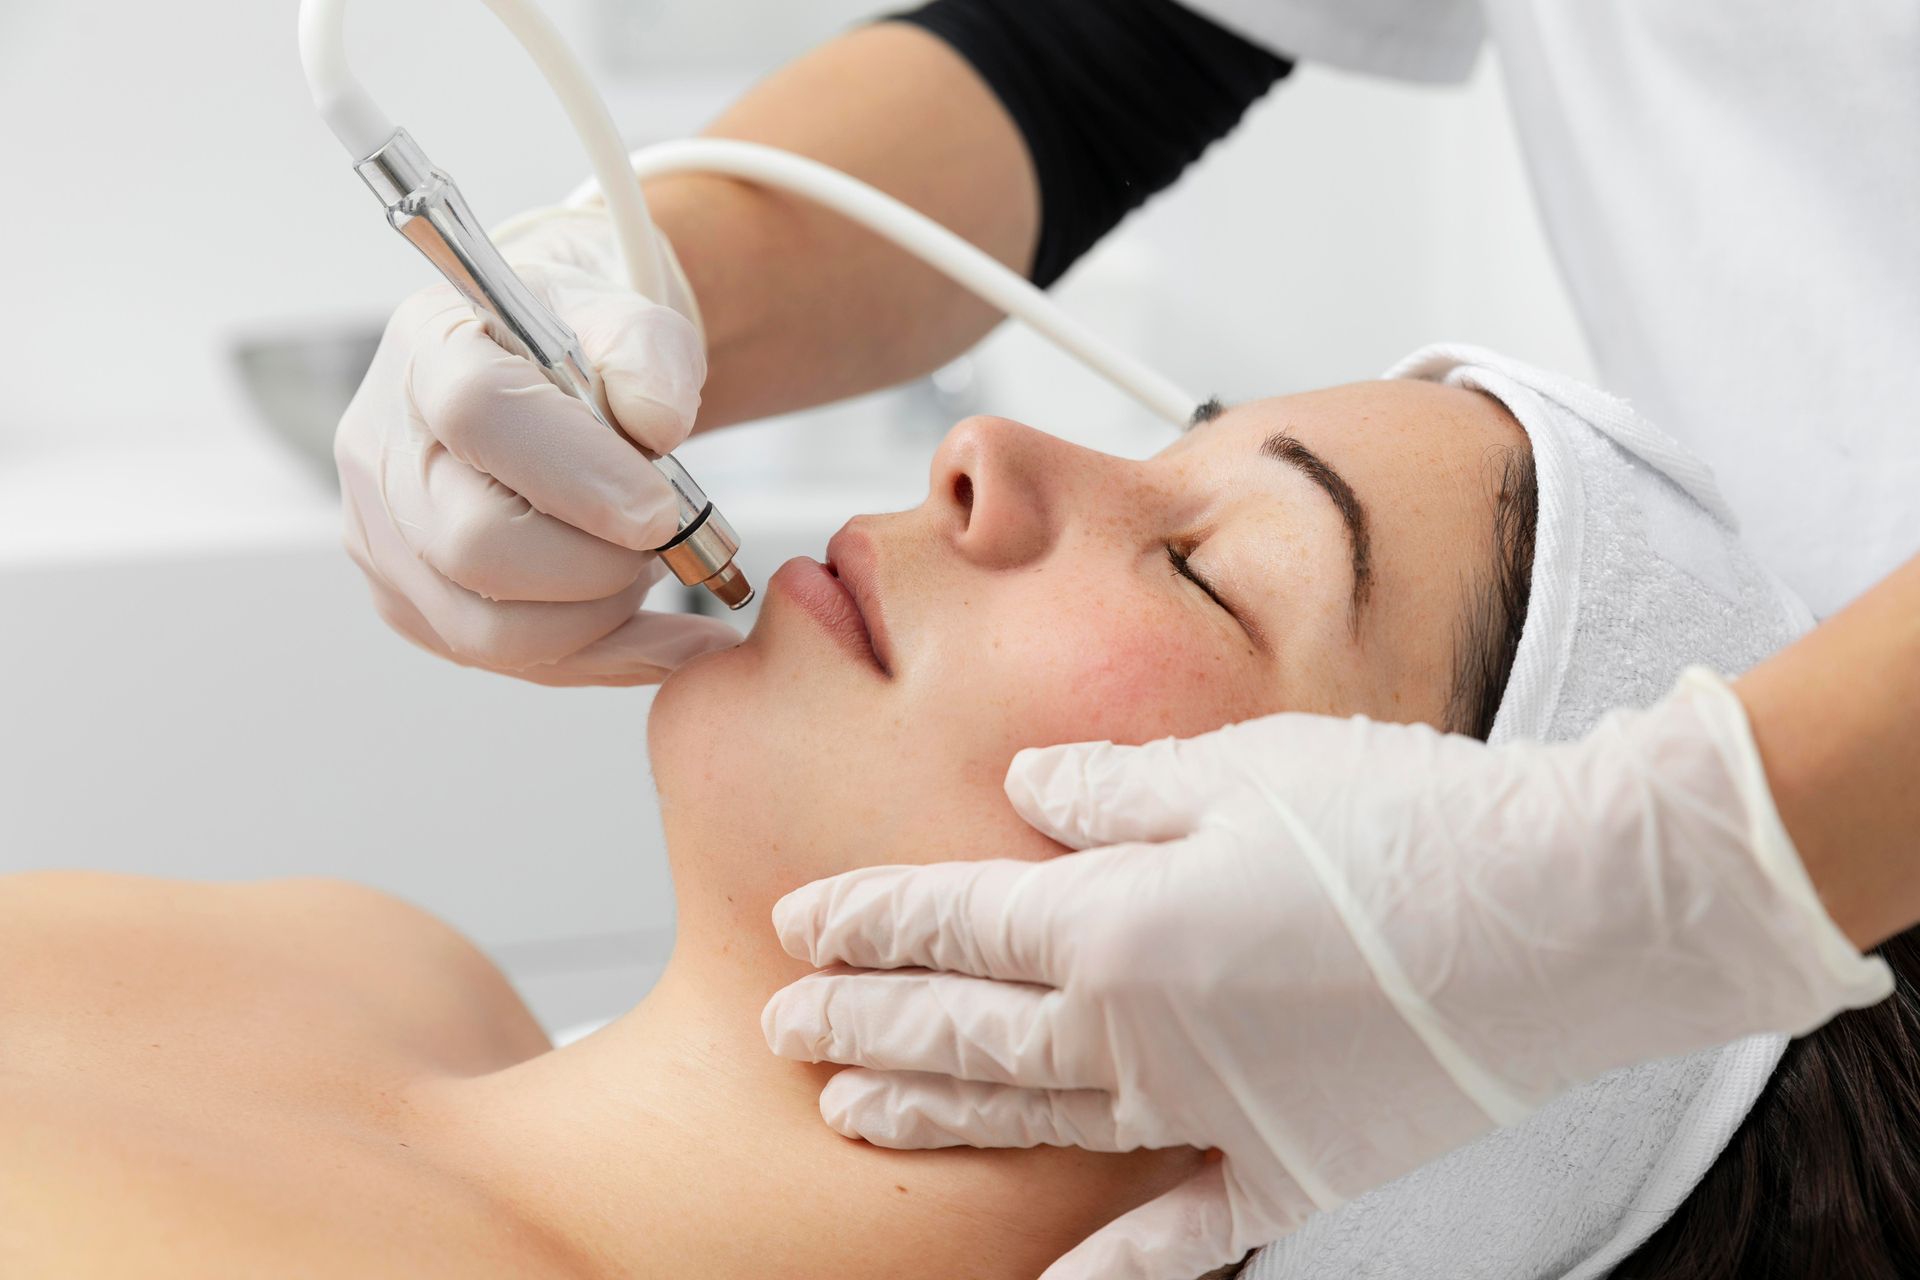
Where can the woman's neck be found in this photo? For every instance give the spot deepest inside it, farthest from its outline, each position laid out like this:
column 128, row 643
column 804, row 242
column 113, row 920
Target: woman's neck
column 640, row 1145
column 672, row 1142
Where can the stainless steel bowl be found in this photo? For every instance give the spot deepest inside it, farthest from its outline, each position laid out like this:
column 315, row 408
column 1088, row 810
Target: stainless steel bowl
column 302, row 380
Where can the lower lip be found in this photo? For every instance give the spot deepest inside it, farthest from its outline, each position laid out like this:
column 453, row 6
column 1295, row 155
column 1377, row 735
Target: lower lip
column 809, row 584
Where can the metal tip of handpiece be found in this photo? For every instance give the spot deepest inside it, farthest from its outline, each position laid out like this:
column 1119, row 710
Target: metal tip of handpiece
column 730, row 587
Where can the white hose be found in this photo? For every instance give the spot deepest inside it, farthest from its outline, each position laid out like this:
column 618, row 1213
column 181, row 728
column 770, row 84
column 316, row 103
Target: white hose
column 961, row 262
column 352, row 115
column 362, row 128
column 606, row 152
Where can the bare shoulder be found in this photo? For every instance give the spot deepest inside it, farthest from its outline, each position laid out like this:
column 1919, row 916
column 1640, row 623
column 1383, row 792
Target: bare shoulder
column 28, row 897
column 73, row 896
column 334, row 948
column 411, row 956
column 226, row 1079
column 76, row 906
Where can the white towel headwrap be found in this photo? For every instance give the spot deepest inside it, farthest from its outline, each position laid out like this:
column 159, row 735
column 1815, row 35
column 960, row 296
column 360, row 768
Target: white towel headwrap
column 1637, row 574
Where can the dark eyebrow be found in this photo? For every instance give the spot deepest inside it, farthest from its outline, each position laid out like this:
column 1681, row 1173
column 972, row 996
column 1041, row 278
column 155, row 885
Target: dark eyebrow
column 1288, row 450
column 1206, row 413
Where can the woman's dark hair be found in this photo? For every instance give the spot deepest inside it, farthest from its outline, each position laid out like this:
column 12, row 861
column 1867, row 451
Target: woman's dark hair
column 1822, row 1179
column 1488, row 634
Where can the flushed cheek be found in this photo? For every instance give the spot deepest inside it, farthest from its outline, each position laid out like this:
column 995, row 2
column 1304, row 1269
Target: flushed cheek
column 1123, row 679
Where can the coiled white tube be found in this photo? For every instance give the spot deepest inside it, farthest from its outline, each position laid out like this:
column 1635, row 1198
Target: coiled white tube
column 362, row 128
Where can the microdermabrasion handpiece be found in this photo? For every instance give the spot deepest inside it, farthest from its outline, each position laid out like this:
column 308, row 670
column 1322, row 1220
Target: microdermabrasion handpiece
column 425, row 206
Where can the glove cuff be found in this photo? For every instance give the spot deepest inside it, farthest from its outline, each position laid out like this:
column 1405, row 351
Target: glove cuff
column 1845, row 978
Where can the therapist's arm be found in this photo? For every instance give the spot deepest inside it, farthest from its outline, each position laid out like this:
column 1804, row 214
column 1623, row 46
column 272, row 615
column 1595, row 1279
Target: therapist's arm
column 802, row 306
column 1837, row 720
column 1018, row 124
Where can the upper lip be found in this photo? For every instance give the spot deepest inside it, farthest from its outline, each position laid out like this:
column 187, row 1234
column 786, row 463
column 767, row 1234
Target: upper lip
column 850, row 558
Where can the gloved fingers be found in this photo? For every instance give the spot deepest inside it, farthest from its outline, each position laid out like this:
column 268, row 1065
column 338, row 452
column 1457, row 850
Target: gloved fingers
column 911, row 1111
column 488, row 539
column 644, row 649
column 514, row 635
column 394, row 608
column 501, row 635
column 1085, row 794
column 1186, row 1232
column 941, row 1023
column 650, row 358
column 497, row 413
column 446, row 618
column 994, row 919
column 610, row 641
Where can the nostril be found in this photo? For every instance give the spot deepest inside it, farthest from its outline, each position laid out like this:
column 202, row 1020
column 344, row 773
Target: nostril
column 963, row 492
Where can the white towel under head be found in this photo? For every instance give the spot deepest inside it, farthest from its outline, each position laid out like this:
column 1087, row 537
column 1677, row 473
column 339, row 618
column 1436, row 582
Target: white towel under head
column 1638, row 573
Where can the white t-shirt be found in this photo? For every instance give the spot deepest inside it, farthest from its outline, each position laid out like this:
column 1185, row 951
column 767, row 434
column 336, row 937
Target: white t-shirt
column 1733, row 192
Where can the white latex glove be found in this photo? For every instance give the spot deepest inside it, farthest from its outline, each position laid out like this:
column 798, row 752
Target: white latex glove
column 499, row 523
column 1350, row 948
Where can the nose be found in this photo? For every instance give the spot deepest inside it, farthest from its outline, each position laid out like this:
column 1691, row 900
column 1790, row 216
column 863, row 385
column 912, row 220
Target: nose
column 1003, row 490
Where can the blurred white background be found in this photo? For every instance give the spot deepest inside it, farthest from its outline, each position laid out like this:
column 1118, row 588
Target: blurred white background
column 191, row 681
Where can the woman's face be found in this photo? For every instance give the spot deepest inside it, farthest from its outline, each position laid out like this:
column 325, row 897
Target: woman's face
column 1036, row 597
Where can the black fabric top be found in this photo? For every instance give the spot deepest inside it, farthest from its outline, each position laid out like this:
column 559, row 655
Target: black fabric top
column 1114, row 97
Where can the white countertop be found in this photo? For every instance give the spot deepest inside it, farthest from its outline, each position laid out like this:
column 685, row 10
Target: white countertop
column 70, row 506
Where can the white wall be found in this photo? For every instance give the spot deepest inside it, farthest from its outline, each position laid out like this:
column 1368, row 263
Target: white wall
column 190, row 680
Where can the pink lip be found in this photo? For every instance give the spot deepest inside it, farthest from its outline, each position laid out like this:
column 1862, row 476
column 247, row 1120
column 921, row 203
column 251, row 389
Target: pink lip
column 850, row 559
column 832, row 603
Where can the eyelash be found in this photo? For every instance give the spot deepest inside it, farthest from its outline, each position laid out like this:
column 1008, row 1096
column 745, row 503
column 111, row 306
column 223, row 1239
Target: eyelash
column 1182, row 567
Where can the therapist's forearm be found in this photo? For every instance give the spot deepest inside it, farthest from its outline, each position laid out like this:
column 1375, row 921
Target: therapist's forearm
column 1837, row 719
column 803, row 307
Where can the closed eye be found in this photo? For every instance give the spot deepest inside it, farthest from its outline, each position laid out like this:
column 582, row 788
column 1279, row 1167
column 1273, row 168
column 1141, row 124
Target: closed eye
column 1183, row 567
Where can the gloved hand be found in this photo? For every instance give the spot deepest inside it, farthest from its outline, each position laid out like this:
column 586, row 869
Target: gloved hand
column 499, row 523
column 1332, row 949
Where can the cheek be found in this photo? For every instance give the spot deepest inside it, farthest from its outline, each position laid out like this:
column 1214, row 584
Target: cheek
column 1125, row 672
column 781, row 751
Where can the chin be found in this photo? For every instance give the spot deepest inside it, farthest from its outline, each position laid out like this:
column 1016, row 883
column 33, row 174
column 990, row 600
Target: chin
column 779, row 746
column 695, row 707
